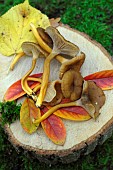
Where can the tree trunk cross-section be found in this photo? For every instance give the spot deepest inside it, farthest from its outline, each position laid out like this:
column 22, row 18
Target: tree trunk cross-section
column 82, row 137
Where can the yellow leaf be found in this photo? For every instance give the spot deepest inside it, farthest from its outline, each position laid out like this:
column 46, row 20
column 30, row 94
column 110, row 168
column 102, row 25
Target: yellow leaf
column 15, row 27
column 28, row 113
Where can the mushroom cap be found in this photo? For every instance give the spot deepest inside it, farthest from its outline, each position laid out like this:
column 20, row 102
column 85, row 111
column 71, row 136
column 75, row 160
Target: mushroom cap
column 74, row 63
column 92, row 94
column 33, row 49
column 61, row 45
column 71, row 85
column 45, row 36
column 58, row 94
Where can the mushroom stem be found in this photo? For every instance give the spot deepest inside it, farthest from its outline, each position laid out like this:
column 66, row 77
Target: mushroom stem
column 52, row 110
column 37, row 88
column 45, row 79
column 34, row 79
column 24, row 79
column 15, row 60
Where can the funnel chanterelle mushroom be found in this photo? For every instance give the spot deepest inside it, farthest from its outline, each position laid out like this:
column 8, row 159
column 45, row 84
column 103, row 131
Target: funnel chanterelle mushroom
column 71, row 85
column 34, row 50
column 93, row 98
column 60, row 46
column 73, row 63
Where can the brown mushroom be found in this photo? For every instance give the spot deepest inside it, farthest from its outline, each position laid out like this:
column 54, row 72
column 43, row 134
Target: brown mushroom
column 67, row 64
column 72, row 83
column 74, row 64
column 46, row 38
column 58, row 94
column 93, row 98
column 60, row 46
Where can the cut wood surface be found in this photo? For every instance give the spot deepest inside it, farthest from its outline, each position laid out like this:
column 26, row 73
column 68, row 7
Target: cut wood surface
column 82, row 137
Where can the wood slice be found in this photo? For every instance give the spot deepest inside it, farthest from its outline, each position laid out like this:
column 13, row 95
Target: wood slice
column 82, row 137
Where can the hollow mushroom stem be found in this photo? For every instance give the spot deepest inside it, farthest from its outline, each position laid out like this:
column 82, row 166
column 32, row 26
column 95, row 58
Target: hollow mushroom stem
column 45, row 79
column 52, row 110
column 34, row 79
column 16, row 59
column 24, row 80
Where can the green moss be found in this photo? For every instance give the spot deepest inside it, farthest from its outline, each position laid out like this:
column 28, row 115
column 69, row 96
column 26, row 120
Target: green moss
column 10, row 112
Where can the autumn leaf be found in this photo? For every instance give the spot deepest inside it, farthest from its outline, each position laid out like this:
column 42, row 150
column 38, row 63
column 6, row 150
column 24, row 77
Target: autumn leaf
column 28, row 113
column 15, row 90
column 103, row 79
column 54, row 128
column 76, row 113
column 15, row 27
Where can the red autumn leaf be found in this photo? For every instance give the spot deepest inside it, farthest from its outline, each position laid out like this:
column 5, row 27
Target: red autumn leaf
column 103, row 79
column 54, row 128
column 28, row 113
column 15, row 90
column 76, row 113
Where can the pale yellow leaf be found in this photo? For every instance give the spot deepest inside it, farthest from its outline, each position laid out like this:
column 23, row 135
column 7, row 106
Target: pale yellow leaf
column 15, row 27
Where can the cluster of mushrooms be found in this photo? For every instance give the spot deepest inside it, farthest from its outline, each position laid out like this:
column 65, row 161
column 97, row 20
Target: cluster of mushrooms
column 51, row 44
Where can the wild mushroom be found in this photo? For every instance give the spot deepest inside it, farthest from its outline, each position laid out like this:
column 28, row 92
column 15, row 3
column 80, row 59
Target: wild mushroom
column 54, row 94
column 72, row 64
column 41, row 42
column 34, row 50
column 39, row 35
column 93, row 98
column 44, row 40
column 60, row 46
column 71, row 85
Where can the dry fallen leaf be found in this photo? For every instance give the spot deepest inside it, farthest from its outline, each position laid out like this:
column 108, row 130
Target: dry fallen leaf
column 15, row 27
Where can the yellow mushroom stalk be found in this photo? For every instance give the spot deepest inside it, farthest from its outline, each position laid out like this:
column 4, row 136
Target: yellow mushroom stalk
column 16, row 59
column 52, row 110
column 45, row 79
column 24, row 82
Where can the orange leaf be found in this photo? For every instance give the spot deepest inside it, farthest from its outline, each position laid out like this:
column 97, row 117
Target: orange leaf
column 54, row 128
column 15, row 90
column 103, row 79
column 76, row 113
column 28, row 113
